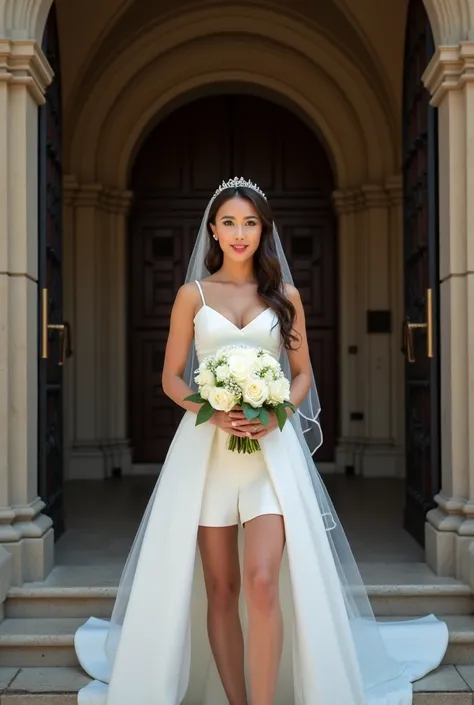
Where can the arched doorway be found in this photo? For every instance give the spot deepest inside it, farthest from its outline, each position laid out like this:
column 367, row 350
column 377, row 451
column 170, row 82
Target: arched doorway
column 179, row 166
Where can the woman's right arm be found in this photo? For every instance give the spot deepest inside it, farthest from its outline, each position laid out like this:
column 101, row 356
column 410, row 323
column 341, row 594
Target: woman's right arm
column 180, row 338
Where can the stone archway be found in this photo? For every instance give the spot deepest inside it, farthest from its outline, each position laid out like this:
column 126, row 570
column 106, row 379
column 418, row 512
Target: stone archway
column 202, row 53
column 277, row 54
column 451, row 20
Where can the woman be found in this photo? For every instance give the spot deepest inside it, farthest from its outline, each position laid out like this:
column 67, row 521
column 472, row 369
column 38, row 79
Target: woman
column 154, row 651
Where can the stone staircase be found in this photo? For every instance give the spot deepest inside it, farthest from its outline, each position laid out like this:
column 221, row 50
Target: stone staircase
column 38, row 664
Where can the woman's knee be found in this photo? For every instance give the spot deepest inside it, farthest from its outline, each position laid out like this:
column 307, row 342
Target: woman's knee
column 261, row 590
column 222, row 594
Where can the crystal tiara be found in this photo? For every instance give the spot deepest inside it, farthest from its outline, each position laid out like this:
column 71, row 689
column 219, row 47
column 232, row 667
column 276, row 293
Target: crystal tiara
column 235, row 183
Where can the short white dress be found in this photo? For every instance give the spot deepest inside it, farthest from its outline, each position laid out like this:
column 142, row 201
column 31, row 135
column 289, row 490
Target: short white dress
column 238, row 486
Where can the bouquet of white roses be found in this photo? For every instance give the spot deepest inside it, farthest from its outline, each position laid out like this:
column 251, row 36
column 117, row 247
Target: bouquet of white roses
column 242, row 376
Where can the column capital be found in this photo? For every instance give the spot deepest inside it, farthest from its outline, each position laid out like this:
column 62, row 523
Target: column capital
column 88, row 195
column 450, row 68
column 362, row 198
column 373, row 196
column 23, row 63
column 70, row 188
column 345, row 201
column 96, row 196
column 394, row 189
column 117, row 201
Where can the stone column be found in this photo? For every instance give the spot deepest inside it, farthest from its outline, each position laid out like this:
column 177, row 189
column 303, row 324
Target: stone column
column 116, row 204
column 369, row 244
column 96, row 292
column 450, row 527
column 394, row 188
column 24, row 531
column 351, row 396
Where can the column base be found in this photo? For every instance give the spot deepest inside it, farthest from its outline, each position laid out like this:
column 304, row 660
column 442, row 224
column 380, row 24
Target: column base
column 370, row 458
column 441, row 536
column 33, row 559
column 440, row 553
column 29, row 539
column 96, row 461
column 6, row 577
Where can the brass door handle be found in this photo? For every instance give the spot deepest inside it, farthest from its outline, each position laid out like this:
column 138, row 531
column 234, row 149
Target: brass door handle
column 409, row 327
column 64, row 330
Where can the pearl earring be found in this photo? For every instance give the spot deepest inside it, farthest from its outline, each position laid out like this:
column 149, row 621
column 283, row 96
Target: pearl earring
column 215, row 237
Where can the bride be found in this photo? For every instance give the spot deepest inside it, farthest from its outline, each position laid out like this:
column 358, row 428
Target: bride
column 303, row 612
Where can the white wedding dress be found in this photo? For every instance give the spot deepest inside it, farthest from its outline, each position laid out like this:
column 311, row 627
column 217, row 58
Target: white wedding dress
column 156, row 651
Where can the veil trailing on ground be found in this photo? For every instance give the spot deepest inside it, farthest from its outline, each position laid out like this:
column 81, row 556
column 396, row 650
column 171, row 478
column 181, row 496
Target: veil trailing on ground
column 375, row 664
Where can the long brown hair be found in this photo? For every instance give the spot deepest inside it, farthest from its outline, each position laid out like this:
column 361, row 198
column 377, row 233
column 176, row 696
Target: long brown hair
column 266, row 264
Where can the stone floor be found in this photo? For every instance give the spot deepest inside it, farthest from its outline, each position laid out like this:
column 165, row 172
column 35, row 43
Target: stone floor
column 448, row 685
column 102, row 518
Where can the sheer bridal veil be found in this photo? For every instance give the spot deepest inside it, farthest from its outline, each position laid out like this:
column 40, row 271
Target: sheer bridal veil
column 375, row 664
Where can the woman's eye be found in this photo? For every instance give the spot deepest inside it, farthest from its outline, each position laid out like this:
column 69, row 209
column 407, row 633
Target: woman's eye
column 228, row 222
column 251, row 223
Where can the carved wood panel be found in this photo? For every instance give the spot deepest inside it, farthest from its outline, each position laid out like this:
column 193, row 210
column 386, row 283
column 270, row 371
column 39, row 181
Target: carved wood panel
column 179, row 166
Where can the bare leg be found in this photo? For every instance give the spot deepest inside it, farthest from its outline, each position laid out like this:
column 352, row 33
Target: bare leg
column 264, row 544
column 220, row 559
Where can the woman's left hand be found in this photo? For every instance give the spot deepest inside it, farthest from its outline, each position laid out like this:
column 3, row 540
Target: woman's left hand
column 256, row 427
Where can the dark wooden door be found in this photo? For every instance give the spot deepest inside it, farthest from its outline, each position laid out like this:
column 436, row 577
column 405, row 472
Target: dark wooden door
column 50, row 340
column 179, row 166
column 421, row 276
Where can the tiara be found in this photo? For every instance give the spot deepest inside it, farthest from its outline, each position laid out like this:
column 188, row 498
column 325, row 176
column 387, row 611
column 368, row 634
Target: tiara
column 235, row 183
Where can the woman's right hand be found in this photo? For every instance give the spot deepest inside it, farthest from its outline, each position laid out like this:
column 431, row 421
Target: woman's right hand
column 222, row 420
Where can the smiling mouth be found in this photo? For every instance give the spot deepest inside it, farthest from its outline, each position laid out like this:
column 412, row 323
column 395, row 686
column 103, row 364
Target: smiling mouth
column 239, row 248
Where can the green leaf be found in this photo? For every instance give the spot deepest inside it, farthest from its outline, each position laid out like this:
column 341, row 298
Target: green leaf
column 289, row 405
column 249, row 412
column 281, row 416
column 204, row 413
column 195, row 397
column 263, row 416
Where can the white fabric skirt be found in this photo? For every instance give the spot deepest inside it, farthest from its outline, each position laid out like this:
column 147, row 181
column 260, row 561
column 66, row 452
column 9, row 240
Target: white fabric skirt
column 159, row 653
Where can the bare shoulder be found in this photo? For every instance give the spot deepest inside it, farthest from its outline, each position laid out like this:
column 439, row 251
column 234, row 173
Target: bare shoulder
column 292, row 293
column 188, row 296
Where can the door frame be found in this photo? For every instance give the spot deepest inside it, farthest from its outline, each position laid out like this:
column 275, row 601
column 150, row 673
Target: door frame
column 419, row 497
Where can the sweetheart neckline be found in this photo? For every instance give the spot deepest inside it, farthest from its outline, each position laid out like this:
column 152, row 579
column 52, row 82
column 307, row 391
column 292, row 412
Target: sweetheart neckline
column 228, row 320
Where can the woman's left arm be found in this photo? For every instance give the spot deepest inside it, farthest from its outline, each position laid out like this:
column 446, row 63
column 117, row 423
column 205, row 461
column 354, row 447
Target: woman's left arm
column 299, row 359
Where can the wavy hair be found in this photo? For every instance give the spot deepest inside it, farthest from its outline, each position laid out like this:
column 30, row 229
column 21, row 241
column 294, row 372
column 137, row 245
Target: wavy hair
column 267, row 268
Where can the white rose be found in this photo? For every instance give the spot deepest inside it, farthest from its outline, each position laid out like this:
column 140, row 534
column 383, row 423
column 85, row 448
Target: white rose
column 269, row 361
column 222, row 372
column 255, row 392
column 241, row 366
column 279, row 391
column 205, row 391
column 206, row 378
column 220, row 399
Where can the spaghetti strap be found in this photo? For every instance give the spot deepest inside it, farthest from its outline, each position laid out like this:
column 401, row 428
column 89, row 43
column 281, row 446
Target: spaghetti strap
column 200, row 291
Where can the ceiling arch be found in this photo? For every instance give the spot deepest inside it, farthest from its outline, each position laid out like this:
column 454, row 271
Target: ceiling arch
column 221, row 47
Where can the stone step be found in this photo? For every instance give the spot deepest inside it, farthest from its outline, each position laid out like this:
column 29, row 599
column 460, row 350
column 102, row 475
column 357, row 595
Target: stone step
column 60, row 602
column 35, row 642
column 415, row 600
column 448, row 685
